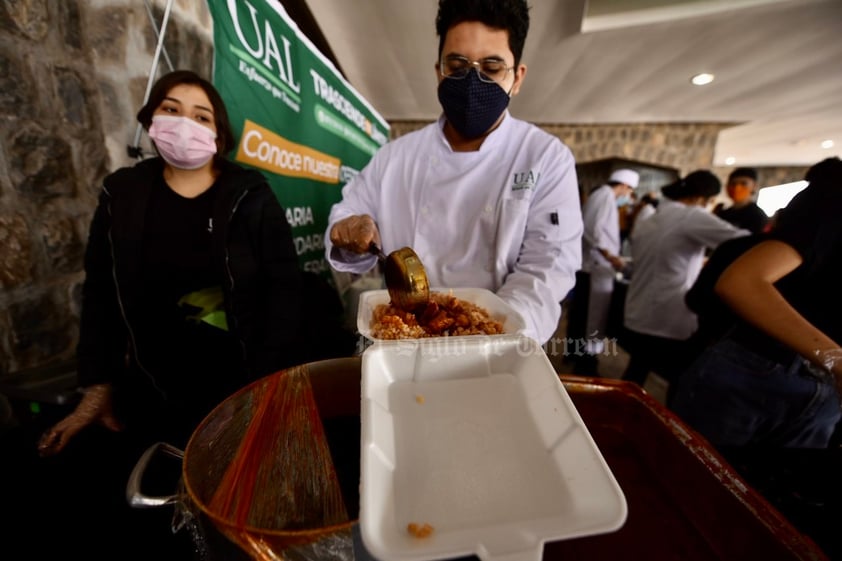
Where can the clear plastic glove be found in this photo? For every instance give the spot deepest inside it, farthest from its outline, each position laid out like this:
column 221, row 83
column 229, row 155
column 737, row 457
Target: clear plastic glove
column 355, row 233
column 95, row 407
column 831, row 361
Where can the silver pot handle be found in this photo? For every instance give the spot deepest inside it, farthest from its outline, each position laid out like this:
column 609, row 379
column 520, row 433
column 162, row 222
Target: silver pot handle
column 133, row 495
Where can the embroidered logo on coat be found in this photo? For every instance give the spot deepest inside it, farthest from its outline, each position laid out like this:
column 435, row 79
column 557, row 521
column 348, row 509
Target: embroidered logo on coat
column 525, row 180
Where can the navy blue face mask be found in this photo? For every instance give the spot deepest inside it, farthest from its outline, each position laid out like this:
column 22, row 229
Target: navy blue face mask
column 471, row 105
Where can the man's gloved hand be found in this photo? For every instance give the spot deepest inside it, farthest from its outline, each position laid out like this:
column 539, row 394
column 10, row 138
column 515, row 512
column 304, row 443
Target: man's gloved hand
column 95, row 407
column 355, row 233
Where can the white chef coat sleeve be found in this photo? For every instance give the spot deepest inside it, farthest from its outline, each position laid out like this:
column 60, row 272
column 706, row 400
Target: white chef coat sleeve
column 551, row 252
column 600, row 220
column 359, row 196
column 710, row 230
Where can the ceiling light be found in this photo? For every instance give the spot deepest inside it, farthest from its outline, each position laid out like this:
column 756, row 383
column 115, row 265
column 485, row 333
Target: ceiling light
column 702, row 79
column 729, row 161
column 827, row 144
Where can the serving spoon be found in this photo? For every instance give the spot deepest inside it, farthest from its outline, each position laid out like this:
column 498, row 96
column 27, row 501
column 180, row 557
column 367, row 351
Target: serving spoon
column 406, row 279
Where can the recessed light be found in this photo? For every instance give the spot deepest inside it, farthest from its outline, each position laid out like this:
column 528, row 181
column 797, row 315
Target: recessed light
column 702, row 79
column 827, row 144
column 729, row 161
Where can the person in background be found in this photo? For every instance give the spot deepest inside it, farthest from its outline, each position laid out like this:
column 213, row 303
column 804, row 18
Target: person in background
column 775, row 379
column 625, row 213
column 668, row 251
column 484, row 199
column 744, row 212
column 192, row 290
column 714, row 317
column 601, row 261
column 646, row 207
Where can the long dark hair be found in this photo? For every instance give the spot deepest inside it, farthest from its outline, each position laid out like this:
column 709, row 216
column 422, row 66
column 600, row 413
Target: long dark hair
column 224, row 136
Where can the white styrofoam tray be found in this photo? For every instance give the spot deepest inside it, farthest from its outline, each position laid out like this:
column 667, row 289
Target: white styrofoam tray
column 497, row 308
column 478, row 438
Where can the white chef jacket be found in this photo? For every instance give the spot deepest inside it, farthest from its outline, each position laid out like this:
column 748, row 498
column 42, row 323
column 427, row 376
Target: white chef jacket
column 601, row 229
column 668, row 252
column 505, row 218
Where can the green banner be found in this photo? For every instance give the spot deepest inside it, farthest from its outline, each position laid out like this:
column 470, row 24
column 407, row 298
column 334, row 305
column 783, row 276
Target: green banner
column 295, row 117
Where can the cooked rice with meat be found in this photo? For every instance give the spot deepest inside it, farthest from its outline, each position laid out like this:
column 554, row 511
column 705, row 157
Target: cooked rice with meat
column 445, row 315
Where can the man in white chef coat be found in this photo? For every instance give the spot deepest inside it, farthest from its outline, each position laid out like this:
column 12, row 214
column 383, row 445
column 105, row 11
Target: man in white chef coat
column 601, row 259
column 484, row 199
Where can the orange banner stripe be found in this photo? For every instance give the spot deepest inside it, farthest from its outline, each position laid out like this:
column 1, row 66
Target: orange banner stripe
column 266, row 150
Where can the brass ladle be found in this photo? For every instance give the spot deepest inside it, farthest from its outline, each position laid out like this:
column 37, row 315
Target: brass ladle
column 406, row 279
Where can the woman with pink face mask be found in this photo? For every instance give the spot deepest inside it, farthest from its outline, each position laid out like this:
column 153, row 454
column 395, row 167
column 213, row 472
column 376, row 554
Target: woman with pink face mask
column 192, row 290
column 192, row 282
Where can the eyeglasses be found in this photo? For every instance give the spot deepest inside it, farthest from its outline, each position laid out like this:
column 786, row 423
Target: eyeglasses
column 488, row 69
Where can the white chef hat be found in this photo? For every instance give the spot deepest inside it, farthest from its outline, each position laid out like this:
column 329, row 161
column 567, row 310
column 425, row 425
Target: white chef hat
column 627, row 176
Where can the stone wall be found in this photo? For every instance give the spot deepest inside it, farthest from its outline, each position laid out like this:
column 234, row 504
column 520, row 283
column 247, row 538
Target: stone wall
column 73, row 74
column 681, row 147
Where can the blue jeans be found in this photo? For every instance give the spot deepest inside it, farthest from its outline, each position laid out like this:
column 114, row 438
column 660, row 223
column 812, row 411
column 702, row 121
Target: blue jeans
column 735, row 397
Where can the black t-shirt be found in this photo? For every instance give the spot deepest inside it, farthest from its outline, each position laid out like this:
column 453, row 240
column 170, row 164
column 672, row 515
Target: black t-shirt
column 194, row 363
column 811, row 225
column 715, row 317
column 749, row 217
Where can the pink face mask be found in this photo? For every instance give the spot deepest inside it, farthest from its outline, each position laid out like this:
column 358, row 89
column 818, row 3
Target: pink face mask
column 182, row 142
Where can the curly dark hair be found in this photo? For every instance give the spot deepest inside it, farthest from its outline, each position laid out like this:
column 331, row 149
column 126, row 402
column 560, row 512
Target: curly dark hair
column 509, row 15
column 224, row 135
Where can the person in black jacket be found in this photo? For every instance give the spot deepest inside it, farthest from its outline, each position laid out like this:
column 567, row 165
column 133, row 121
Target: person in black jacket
column 744, row 212
column 192, row 285
column 192, row 290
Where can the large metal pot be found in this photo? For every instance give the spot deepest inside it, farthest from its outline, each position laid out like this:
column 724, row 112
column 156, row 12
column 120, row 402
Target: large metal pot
column 218, row 441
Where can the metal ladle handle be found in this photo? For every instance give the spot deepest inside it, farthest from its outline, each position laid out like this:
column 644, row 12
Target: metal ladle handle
column 375, row 249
